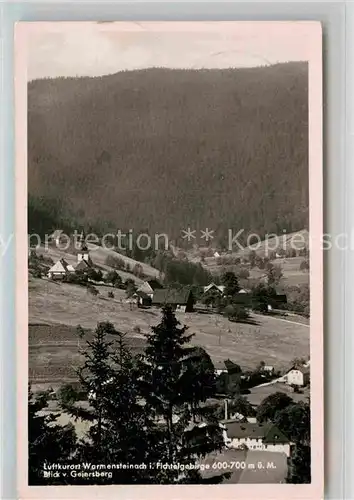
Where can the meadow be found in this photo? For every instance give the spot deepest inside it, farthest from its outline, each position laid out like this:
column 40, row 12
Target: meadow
column 55, row 310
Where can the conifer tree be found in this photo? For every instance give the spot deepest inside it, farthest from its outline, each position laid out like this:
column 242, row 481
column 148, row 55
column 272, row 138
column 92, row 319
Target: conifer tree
column 172, row 388
column 121, row 430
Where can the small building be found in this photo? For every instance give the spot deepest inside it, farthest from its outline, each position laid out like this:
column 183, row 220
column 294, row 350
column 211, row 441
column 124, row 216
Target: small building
column 142, row 299
column 60, row 269
column 181, row 300
column 220, row 367
column 255, row 436
column 298, row 375
column 268, row 369
column 56, row 237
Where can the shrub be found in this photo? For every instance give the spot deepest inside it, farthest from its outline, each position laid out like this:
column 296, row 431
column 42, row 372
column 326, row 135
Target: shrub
column 92, row 290
column 244, row 273
column 110, row 295
column 77, row 278
column 305, row 265
column 67, row 395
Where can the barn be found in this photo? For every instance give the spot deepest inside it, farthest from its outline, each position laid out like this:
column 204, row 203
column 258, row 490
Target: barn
column 181, row 300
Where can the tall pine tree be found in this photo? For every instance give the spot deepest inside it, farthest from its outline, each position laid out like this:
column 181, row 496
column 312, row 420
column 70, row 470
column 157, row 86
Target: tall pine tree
column 121, row 429
column 172, row 386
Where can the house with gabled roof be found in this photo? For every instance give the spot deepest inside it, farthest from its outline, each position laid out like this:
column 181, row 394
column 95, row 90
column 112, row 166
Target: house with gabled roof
column 180, row 299
column 298, row 375
column 149, row 287
column 212, row 287
column 60, row 269
column 255, row 436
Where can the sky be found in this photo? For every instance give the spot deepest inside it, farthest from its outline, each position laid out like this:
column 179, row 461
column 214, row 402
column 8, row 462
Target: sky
column 93, row 49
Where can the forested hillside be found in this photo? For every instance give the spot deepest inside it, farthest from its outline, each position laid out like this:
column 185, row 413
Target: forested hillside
column 165, row 149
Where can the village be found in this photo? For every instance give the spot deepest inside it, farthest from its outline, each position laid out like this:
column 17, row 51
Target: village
column 240, row 428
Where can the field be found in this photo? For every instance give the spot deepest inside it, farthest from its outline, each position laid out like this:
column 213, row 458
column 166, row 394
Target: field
column 292, row 275
column 55, row 309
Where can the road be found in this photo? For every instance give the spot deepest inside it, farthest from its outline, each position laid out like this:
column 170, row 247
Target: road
column 280, row 319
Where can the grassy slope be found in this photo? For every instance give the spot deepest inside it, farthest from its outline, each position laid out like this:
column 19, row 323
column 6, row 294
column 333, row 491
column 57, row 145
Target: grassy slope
column 53, row 348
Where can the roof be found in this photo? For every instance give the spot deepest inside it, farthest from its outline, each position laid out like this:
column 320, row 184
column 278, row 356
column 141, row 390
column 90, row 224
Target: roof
column 171, row 296
column 267, row 431
column 220, row 365
column 61, row 266
column 301, row 368
column 83, row 265
column 221, row 288
column 150, row 286
column 154, row 284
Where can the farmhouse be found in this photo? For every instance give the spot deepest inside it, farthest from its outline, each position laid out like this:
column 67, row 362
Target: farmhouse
column 60, row 269
column 298, row 375
column 214, row 288
column 243, row 298
column 255, row 436
column 181, row 300
column 149, row 287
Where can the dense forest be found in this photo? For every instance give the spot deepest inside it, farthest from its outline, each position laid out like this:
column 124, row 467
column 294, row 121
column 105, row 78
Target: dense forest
column 165, row 149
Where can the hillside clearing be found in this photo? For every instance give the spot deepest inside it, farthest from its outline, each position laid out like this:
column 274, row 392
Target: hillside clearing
column 98, row 256
column 55, row 309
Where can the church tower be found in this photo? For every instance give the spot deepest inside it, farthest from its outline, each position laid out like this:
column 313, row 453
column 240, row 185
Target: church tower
column 83, row 253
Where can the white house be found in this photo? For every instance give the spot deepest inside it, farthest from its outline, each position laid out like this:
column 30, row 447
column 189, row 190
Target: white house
column 255, row 436
column 60, row 269
column 297, row 375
